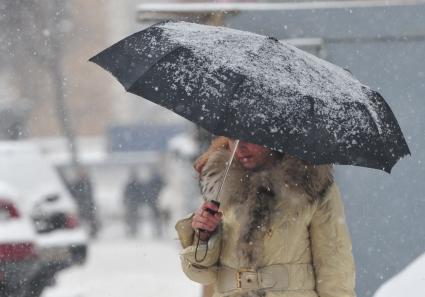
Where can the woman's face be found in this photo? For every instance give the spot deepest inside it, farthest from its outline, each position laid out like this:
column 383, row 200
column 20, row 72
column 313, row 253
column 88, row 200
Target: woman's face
column 252, row 156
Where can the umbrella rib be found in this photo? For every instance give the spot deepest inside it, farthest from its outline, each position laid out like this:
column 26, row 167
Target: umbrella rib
column 373, row 119
column 313, row 122
column 228, row 112
column 379, row 137
column 155, row 64
column 235, row 88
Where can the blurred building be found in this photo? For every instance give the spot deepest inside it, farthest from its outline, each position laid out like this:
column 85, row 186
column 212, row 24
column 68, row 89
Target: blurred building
column 68, row 34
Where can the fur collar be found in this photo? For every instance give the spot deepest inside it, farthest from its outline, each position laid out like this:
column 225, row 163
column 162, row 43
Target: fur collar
column 254, row 195
column 290, row 171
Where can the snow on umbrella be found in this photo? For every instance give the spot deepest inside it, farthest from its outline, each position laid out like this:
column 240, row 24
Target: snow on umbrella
column 255, row 88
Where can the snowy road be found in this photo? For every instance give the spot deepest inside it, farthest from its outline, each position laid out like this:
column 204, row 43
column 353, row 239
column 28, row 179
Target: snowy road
column 119, row 267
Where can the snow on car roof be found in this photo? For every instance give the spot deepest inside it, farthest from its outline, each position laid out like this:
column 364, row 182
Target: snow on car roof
column 7, row 191
column 25, row 169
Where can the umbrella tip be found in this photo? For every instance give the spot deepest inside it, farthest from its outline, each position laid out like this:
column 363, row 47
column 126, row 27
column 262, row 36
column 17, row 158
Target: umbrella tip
column 348, row 70
column 273, row 38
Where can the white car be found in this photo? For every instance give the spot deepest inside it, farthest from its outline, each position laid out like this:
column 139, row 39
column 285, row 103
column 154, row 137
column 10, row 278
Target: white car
column 18, row 252
column 60, row 240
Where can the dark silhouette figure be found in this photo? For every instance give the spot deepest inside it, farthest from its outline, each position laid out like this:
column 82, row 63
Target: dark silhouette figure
column 138, row 194
column 82, row 190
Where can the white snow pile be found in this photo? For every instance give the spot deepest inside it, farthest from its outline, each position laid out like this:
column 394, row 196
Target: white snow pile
column 410, row 282
column 272, row 69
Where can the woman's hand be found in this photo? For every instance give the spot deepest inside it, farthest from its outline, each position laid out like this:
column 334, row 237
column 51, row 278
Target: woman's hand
column 205, row 220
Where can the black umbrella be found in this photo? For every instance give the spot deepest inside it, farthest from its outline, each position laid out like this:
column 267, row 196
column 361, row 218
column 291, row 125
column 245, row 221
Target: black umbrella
column 258, row 89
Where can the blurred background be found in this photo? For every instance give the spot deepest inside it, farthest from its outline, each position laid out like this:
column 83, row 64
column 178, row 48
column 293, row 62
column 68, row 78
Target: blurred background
column 92, row 179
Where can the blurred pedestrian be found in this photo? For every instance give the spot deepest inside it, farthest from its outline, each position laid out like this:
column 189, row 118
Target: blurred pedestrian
column 82, row 190
column 133, row 194
column 139, row 194
column 151, row 194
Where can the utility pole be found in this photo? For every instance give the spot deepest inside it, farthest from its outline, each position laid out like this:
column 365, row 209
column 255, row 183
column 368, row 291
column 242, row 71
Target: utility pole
column 56, row 74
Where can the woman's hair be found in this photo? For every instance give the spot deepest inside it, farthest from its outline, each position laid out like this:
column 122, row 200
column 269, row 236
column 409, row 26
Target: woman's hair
column 217, row 143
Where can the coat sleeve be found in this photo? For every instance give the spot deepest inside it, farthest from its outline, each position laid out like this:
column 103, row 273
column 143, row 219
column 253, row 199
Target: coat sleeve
column 331, row 248
column 205, row 271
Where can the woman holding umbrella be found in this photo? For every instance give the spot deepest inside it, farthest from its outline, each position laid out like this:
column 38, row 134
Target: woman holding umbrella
column 280, row 231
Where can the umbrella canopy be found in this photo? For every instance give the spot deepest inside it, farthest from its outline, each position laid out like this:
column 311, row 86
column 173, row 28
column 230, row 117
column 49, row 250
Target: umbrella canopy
column 255, row 88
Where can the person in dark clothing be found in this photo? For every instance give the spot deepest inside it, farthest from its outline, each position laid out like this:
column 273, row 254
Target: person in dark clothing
column 133, row 192
column 138, row 194
column 151, row 193
column 82, row 191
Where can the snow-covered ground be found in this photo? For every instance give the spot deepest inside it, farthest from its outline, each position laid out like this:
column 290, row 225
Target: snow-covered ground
column 118, row 266
column 410, row 282
column 121, row 267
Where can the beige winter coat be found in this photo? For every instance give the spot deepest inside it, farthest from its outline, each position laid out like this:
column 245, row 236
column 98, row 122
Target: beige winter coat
column 284, row 225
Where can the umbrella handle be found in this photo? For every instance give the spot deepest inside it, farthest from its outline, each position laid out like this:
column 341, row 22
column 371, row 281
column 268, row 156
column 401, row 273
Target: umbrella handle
column 199, row 231
column 216, row 202
column 226, row 171
column 211, row 211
